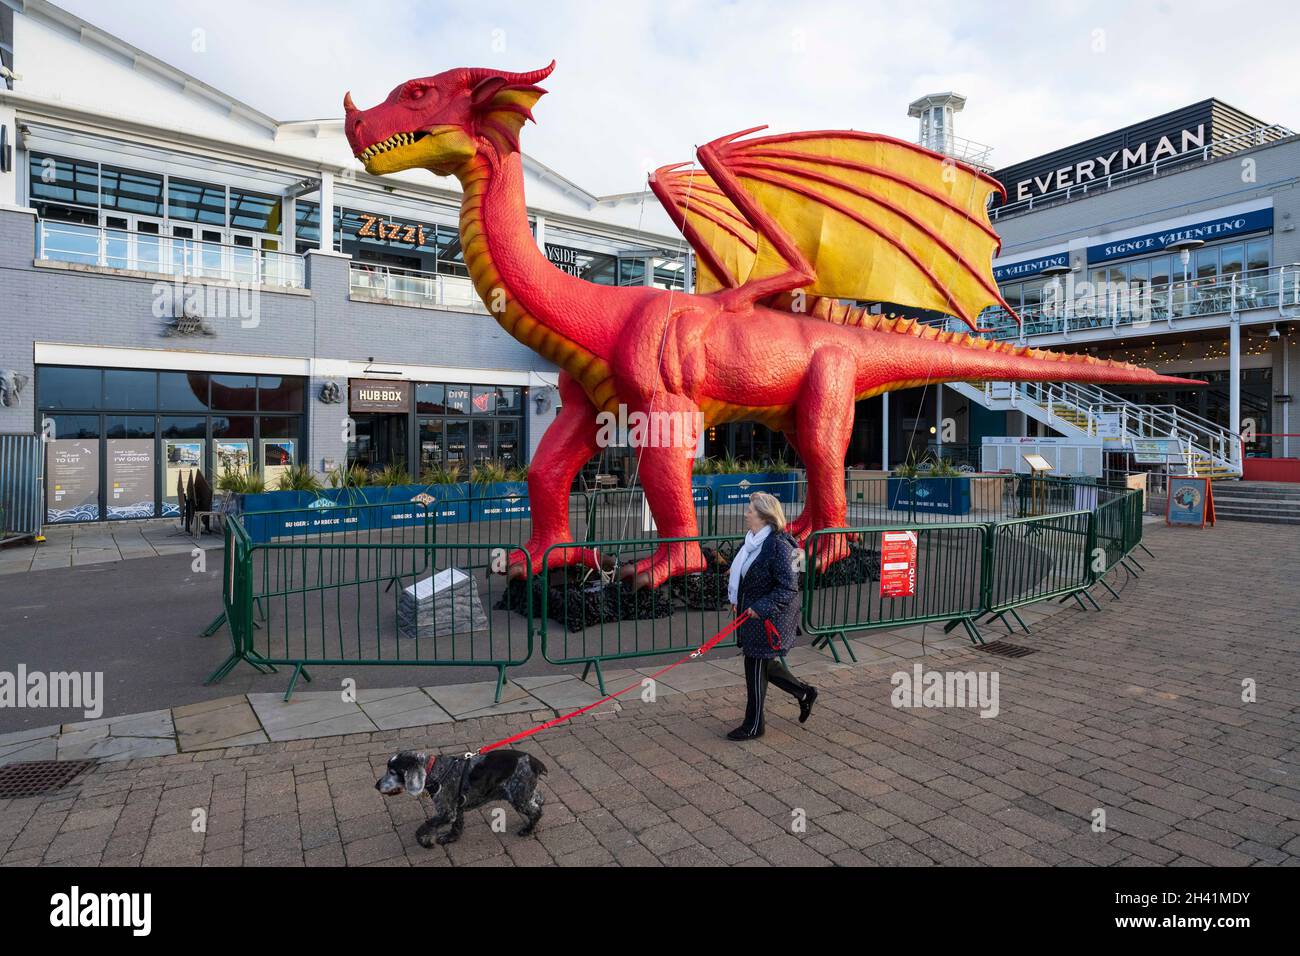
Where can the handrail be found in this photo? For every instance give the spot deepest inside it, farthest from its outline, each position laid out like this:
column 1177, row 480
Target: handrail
column 134, row 251
column 413, row 285
column 1257, row 137
column 1118, row 307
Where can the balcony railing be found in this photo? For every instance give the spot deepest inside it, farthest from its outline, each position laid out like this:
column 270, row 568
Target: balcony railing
column 415, row 287
column 1255, row 137
column 1124, row 306
column 166, row 255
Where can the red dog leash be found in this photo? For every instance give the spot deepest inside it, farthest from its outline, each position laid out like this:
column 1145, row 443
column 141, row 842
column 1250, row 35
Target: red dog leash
column 699, row 652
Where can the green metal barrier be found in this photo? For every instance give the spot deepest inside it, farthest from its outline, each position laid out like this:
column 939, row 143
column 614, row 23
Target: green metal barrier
column 730, row 499
column 949, row 583
column 589, row 618
column 352, row 599
column 1037, row 559
column 333, row 598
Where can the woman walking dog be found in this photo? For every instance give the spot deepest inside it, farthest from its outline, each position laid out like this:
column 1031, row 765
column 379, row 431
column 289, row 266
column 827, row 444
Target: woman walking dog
column 763, row 581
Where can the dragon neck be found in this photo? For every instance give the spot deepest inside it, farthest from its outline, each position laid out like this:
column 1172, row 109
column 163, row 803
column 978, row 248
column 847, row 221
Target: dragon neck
column 538, row 304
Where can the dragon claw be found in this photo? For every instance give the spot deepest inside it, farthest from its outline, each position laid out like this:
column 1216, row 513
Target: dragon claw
column 668, row 561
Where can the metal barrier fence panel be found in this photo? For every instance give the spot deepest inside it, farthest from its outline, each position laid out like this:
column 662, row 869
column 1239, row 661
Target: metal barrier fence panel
column 376, row 596
column 1034, row 559
column 948, row 587
column 589, row 618
column 22, row 499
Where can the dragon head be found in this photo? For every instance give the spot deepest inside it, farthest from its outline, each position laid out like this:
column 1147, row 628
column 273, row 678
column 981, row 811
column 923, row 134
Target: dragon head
column 442, row 122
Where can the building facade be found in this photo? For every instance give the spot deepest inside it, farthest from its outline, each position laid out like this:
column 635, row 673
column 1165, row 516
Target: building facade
column 170, row 301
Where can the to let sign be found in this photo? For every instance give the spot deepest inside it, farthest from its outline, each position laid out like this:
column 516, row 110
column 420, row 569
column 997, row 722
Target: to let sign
column 377, row 395
column 898, row 564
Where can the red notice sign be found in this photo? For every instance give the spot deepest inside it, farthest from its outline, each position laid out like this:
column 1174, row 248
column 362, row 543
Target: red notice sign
column 898, row 564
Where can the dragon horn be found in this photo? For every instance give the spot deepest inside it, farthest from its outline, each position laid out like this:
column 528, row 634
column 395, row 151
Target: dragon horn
column 348, row 105
column 477, row 74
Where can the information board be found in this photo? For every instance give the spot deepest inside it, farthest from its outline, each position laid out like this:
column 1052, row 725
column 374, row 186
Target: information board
column 897, row 564
column 1191, row 502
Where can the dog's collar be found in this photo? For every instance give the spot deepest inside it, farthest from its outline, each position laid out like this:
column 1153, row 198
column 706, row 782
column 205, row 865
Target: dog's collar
column 428, row 767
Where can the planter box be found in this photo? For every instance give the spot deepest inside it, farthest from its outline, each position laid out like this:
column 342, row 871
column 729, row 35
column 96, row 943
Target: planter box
column 500, row 501
column 731, row 489
column 864, row 486
column 941, row 495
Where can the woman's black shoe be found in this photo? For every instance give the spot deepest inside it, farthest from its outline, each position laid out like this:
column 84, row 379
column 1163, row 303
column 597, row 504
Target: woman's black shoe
column 740, row 733
column 805, row 705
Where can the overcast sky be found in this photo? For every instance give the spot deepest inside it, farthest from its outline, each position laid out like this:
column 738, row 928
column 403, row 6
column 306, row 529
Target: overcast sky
column 639, row 83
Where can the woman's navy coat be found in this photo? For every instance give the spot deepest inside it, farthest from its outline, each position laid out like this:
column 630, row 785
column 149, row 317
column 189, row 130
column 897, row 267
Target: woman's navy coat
column 770, row 588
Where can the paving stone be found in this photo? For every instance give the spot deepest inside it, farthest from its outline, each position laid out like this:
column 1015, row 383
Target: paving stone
column 308, row 714
column 215, row 724
column 468, row 701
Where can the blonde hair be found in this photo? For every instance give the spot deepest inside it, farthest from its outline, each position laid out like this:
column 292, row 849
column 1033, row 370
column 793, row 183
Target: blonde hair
column 769, row 509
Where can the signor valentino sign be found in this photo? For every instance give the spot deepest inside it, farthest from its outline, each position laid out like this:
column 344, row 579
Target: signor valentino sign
column 378, row 395
column 1222, row 227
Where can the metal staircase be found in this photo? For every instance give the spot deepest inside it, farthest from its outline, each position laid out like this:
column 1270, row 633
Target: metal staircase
column 1207, row 450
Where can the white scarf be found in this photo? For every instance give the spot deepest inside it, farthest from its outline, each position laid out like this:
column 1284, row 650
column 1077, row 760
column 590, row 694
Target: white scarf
column 744, row 558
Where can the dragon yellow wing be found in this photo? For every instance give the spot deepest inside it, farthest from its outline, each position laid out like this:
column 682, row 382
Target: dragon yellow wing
column 839, row 215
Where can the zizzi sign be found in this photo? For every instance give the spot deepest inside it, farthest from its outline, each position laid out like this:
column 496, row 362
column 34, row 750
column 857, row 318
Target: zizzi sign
column 1108, row 163
column 374, row 395
column 1029, row 267
column 372, row 227
column 1221, row 228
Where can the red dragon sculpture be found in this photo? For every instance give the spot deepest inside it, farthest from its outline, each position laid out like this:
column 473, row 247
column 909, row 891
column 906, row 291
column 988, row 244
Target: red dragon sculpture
column 784, row 228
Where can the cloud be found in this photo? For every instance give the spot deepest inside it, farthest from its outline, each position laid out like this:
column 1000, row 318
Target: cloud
column 640, row 83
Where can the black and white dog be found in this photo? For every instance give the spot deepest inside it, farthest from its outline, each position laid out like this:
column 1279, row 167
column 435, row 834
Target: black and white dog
column 462, row 783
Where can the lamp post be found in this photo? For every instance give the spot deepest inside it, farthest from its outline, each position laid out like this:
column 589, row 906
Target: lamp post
column 1184, row 249
column 1054, row 273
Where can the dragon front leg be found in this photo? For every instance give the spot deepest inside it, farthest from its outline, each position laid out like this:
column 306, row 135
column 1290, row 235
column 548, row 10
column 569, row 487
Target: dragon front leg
column 567, row 445
column 823, row 428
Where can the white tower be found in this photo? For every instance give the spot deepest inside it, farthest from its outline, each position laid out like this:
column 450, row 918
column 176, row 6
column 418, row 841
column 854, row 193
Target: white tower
column 935, row 112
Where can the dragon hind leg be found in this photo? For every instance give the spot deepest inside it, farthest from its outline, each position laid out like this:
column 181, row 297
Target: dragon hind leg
column 823, row 428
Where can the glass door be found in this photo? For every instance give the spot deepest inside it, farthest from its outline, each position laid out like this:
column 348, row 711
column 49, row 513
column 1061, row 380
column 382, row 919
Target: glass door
column 458, row 446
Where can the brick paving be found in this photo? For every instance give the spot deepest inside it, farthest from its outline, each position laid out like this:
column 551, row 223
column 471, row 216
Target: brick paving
column 1136, row 711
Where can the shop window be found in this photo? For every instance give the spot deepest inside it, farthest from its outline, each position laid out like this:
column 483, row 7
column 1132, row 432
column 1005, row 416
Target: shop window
column 670, row 273
column 133, row 391
column 183, row 391
column 1258, row 254
column 233, row 426
column 431, row 443
column 458, row 399
column 176, row 426
column 485, row 400
column 507, row 450
column 1160, row 274
column 196, row 202
column 69, row 387
column 277, row 393
column 307, row 225
column 64, row 189
column 235, row 393
column 72, row 426
column 129, row 426
column 430, row 399
column 509, row 401
column 130, row 191
column 254, row 212
column 1207, row 264
column 1232, row 259
column 631, row 272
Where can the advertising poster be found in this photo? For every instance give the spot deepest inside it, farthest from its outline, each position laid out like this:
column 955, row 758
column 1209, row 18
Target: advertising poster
column 277, row 455
column 235, row 457
column 1191, row 502
column 130, row 478
column 180, row 460
column 72, row 480
column 897, row 564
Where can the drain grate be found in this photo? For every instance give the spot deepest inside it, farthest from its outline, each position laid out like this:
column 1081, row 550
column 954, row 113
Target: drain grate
column 37, row 777
column 1003, row 649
